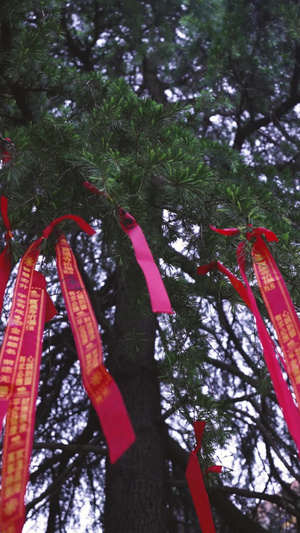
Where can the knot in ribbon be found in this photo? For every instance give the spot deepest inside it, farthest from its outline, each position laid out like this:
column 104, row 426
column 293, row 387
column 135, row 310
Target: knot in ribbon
column 126, row 220
column 253, row 233
column 159, row 298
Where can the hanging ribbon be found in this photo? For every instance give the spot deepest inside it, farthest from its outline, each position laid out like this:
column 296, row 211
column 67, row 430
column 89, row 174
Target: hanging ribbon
column 196, row 483
column 160, row 302
column 237, row 284
column 21, row 341
column 5, row 256
column 19, row 370
column 15, row 330
column 280, row 308
column 6, row 156
column 159, row 298
column 20, row 420
column 99, row 384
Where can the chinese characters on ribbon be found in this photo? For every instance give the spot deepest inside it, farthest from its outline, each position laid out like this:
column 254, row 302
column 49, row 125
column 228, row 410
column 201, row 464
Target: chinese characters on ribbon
column 282, row 315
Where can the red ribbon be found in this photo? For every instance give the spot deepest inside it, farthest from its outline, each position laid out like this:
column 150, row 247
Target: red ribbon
column 20, row 361
column 160, row 302
column 99, row 384
column 196, row 483
column 214, row 468
column 237, row 284
column 280, row 308
column 21, row 341
column 11, row 349
column 20, row 420
column 159, row 298
column 93, row 189
column 279, row 305
column 6, row 156
column 5, row 256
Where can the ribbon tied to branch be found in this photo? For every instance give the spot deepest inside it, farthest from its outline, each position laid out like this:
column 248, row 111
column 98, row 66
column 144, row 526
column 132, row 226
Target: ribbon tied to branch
column 20, row 357
column 282, row 314
column 196, row 483
column 159, row 298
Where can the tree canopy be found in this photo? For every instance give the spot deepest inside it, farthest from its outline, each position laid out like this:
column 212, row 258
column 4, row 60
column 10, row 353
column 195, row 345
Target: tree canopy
column 186, row 115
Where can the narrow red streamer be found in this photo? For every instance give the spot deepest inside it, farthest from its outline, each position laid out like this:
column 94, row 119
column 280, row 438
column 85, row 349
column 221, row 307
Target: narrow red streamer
column 160, row 302
column 283, row 394
column 237, row 284
column 5, row 256
column 93, row 189
column 214, row 468
column 6, row 156
column 99, row 384
column 159, row 298
column 20, row 421
column 196, row 483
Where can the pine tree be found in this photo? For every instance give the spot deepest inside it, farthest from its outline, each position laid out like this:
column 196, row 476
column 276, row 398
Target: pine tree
column 185, row 114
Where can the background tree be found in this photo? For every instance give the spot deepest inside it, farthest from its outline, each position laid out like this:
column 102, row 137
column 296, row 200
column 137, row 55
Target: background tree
column 186, row 114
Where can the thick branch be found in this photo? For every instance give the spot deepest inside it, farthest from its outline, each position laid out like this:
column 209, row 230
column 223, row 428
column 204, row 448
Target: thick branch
column 75, row 46
column 71, row 448
column 275, row 114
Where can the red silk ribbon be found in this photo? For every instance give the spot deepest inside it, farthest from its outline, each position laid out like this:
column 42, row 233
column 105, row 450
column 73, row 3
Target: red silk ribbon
column 93, row 189
column 237, row 284
column 21, row 345
column 280, row 308
column 214, row 468
column 19, row 311
column 20, row 421
column 99, row 384
column 6, row 156
column 159, row 298
column 196, row 483
column 11, row 348
column 160, row 302
column 5, row 256
column 283, row 317
column 20, row 362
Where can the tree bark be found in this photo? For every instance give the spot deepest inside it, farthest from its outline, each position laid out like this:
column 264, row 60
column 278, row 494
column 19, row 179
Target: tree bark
column 136, row 484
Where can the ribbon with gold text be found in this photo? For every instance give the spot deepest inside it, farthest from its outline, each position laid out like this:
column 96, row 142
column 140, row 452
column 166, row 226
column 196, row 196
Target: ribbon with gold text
column 196, row 483
column 20, row 420
column 99, row 384
column 280, row 308
column 15, row 329
column 19, row 340
column 283, row 394
column 5, row 256
column 159, row 298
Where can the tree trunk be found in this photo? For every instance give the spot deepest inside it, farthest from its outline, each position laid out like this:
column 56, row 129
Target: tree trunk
column 136, row 484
